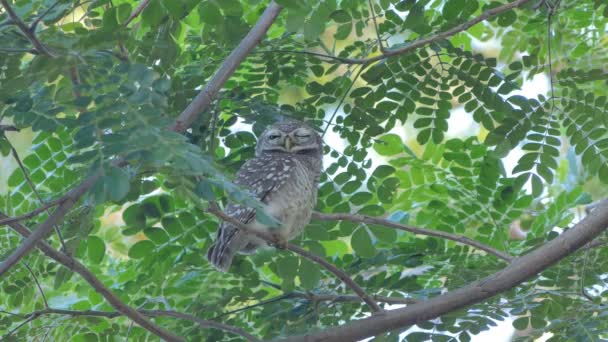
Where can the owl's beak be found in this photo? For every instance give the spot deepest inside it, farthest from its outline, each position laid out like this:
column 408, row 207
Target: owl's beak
column 288, row 143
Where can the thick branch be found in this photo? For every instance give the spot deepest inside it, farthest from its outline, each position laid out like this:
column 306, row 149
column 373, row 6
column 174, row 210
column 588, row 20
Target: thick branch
column 152, row 313
column 45, row 228
column 29, row 34
column 79, row 268
column 429, row 232
column 491, row 13
column 302, row 252
column 520, row 270
column 236, row 57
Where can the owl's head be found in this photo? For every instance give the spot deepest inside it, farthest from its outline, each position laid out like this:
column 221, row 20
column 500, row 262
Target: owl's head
column 290, row 137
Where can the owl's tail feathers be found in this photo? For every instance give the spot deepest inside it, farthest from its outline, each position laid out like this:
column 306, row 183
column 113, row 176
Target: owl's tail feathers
column 220, row 257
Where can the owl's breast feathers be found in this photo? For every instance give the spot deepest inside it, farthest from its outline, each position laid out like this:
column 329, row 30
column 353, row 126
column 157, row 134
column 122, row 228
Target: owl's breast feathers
column 286, row 184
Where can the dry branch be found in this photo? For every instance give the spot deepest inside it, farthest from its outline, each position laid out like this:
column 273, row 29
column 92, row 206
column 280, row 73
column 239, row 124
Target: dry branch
column 422, row 231
column 520, row 270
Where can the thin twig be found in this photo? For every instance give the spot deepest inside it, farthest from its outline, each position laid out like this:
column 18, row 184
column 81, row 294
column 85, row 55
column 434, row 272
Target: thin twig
column 8, row 128
column 35, row 23
column 30, row 35
column 422, row 41
column 350, row 86
column 46, row 303
column 302, row 252
column 17, row 50
column 258, row 304
column 33, row 212
column 321, row 298
column 33, row 187
column 429, row 232
column 45, row 228
column 549, row 16
column 371, row 8
column 152, row 313
column 29, row 319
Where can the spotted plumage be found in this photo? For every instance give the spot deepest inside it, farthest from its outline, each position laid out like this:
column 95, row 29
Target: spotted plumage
column 284, row 175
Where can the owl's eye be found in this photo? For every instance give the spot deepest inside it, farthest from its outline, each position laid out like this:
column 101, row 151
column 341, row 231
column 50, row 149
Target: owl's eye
column 273, row 136
column 303, row 135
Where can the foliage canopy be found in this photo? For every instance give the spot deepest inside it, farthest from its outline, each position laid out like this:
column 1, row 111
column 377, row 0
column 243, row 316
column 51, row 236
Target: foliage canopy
column 110, row 79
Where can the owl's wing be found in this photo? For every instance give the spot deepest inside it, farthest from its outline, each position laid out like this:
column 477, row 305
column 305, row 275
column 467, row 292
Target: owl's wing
column 260, row 176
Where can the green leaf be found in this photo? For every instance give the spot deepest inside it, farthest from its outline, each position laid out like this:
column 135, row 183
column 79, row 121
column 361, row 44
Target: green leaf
column 287, row 267
column 159, row 236
column 141, row 249
column 117, row 183
column 122, row 13
column 96, row 249
column 153, row 13
column 309, row 274
column 603, row 173
column 62, row 276
column 389, row 145
column 341, row 16
column 362, row 243
column 210, row 13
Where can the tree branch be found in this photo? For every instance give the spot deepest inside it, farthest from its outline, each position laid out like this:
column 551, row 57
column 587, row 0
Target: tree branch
column 45, row 228
column 30, row 35
column 520, row 270
column 416, row 44
column 302, row 252
column 33, row 212
column 373, row 13
column 87, row 275
column 29, row 269
column 37, row 21
column 140, row 8
column 154, row 313
column 429, row 232
column 204, row 98
column 8, row 128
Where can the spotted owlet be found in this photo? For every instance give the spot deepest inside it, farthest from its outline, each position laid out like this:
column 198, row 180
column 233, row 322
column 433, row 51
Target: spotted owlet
column 284, row 175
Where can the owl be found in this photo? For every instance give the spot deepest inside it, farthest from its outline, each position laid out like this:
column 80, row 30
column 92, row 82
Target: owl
column 284, row 176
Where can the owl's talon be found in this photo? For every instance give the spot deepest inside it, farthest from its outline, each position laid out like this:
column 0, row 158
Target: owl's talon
column 278, row 241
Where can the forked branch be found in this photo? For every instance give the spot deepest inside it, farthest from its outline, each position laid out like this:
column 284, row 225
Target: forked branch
column 27, row 32
column 346, row 279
